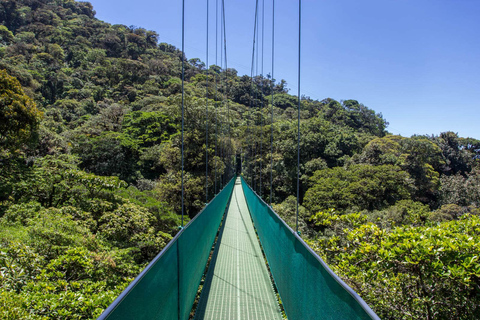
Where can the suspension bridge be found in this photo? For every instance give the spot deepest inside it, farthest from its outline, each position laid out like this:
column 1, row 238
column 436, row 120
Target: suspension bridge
column 237, row 259
column 237, row 284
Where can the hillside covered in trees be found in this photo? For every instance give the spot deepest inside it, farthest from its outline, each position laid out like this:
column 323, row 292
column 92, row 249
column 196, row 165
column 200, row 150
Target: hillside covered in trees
column 90, row 172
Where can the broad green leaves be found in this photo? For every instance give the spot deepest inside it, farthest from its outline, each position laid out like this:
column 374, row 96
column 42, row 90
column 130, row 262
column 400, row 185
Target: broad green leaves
column 427, row 272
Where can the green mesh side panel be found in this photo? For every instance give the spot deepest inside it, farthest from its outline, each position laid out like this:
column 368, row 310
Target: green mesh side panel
column 195, row 245
column 307, row 287
column 166, row 289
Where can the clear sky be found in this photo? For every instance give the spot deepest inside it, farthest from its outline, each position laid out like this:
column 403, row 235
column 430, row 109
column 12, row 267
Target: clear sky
column 415, row 61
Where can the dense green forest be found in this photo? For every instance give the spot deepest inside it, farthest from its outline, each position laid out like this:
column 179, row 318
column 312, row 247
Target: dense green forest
column 90, row 172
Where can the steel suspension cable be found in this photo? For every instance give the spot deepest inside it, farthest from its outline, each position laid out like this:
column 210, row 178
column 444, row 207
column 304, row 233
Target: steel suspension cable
column 183, row 101
column 256, row 113
column 261, row 107
column 216, row 133
column 251, row 92
column 183, row 127
column 206, row 113
column 299, row 101
column 272, row 84
column 222, row 145
column 216, row 90
column 226, row 93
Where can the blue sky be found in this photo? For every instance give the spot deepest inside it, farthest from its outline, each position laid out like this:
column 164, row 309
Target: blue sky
column 415, row 61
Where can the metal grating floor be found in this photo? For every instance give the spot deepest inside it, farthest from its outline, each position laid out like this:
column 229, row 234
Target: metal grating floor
column 238, row 285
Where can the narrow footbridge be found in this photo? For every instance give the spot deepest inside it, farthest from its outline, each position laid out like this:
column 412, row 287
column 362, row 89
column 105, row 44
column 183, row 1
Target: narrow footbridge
column 237, row 283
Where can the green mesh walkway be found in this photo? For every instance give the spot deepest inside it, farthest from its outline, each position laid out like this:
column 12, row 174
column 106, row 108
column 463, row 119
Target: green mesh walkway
column 238, row 285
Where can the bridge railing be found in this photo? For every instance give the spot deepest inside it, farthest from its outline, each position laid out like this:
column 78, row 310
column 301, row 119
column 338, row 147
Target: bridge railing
column 308, row 288
column 167, row 287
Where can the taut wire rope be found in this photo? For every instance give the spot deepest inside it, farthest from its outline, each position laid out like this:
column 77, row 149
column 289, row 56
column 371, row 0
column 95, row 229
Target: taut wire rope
column 183, row 127
column 299, row 101
column 273, row 87
column 263, row 92
column 251, row 95
column 226, row 94
column 216, row 90
column 222, row 144
column 183, row 101
column 206, row 115
column 255, row 110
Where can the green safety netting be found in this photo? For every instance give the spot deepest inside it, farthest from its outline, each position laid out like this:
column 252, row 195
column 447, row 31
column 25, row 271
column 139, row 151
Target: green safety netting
column 307, row 287
column 166, row 289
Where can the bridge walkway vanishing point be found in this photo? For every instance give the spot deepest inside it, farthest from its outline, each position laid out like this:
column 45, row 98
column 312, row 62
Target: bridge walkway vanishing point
column 238, row 285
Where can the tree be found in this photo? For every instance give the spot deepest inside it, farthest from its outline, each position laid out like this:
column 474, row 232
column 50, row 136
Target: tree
column 321, row 143
column 379, row 151
column 19, row 116
column 418, row 155
column 359, row 186
column 109, row 154
column 457, row 157
column 6, row 36
column 148, row 128
column 364, row 119
column 353, row 114
column 56, row 180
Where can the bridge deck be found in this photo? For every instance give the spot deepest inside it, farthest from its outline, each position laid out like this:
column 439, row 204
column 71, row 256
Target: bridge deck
column 238, row 285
